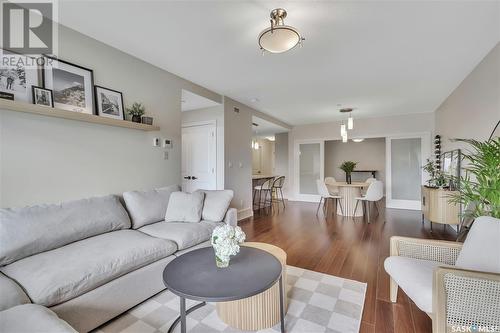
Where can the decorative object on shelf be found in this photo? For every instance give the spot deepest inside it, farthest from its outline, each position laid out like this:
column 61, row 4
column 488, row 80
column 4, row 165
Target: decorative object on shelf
column 348, row 167
column 437, row 151
column 6, row 95
column 109, row 103
column 226, row 242
column 136, row 111
column 147, row 120
column 42, row 96
column 450, row 162
column 16, row 79
column 279, row 38
column 72, row 85
column 479, row 187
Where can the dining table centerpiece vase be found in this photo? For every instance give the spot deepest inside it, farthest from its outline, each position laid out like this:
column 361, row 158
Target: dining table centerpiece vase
column 348, row 168
column 226, row 242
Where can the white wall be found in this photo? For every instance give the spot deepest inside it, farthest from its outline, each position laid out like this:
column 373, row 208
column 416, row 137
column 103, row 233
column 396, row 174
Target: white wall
column 363, row 128
column 45, row 159
column 370, row 155
column 238, row 155
column 213, row 113
column 473, row 108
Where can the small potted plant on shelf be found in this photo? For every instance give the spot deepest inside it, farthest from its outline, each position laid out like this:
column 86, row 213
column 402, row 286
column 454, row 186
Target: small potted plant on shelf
column 348, row 168
column 136, row 111
column 436, row 177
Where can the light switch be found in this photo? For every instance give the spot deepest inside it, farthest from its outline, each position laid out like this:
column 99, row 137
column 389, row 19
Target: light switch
column 156, row 142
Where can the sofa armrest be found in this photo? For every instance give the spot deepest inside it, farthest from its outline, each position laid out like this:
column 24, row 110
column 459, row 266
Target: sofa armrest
column 465, row 298
column 445, row 252
column 12, row 293
column 231, row 217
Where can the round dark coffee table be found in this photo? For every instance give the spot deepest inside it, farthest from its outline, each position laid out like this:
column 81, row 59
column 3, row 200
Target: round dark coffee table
column 195, row 276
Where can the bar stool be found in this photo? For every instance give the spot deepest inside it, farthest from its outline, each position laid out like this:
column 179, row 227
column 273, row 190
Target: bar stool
column 265, row 188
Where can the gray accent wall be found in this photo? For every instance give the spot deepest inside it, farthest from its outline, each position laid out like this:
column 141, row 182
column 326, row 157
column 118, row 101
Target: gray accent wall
column 45, row 159
column 473, row 108
column 370, row 154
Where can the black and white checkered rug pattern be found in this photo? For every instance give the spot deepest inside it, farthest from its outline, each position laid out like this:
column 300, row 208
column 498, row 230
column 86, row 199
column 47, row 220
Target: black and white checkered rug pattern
column 317, row 303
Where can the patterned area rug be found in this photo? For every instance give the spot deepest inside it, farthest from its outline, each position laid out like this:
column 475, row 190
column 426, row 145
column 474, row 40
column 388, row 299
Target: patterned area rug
column 317, row 303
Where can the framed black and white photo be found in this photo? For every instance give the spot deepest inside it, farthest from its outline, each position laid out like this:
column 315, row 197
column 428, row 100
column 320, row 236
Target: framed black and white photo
column 72, row 85
column 109, row 103
column 17, row 77
column 42, row 96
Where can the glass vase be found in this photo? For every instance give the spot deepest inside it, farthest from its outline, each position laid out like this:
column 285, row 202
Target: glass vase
column 221, row 262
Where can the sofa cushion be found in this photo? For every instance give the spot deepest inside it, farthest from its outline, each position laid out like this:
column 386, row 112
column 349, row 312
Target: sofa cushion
column 146, row 207
column 414, row 276
column 481, row 249
column 184, row 207
column 59, row 275
column 183, row 234
column 31, row 230
column 12, row 293
column 32, row 318
column 216, row 204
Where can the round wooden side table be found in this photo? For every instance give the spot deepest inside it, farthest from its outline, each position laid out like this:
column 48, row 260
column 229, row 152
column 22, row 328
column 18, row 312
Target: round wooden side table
column 260, row 311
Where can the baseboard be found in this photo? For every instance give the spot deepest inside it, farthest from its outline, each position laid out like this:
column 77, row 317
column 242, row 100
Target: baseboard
column 245, row 213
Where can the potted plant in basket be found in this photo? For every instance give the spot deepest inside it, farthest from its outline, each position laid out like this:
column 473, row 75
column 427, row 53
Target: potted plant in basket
column 348, row 168
column 436, row 177
column 136, row 111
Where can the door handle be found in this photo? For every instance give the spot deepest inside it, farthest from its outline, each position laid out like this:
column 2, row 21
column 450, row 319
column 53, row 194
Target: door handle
column 187, row 177
column 193, row 178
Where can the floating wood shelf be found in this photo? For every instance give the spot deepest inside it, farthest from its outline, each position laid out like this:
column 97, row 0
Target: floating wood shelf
column 60, row 113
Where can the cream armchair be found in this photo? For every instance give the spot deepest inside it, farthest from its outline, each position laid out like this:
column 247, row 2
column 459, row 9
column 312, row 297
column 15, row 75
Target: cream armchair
column 457, row 285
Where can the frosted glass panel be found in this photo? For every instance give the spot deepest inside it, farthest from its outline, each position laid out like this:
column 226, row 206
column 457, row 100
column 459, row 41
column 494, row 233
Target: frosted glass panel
column 406, row 171
column 309, row 167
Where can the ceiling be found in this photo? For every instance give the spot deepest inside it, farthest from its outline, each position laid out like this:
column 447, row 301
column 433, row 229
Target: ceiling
column 191, row 101
column 266, row 128
column 383, row 58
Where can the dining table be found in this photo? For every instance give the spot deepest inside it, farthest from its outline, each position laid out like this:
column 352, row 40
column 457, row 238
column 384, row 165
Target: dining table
column 348, row 193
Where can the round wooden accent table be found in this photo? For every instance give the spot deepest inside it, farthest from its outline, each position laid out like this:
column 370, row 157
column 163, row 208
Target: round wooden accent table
column 260, row 311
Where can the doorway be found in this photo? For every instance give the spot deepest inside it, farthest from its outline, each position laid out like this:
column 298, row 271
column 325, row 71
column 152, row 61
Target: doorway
column 199, row 156
column 404, row 160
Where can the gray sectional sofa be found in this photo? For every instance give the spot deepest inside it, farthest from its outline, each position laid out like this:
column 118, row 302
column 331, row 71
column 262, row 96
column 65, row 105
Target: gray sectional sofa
column 90, row 260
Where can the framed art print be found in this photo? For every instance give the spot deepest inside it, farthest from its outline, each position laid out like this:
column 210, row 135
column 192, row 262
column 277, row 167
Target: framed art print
column 72, row 85
column 16, row 78
column 109, row 103
column 42, row 96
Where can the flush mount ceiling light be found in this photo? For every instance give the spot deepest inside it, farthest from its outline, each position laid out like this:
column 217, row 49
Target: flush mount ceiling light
column 279, row 37
column 358, row 140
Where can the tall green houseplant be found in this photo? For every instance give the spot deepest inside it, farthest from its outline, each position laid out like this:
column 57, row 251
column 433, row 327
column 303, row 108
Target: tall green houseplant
column 479, row 186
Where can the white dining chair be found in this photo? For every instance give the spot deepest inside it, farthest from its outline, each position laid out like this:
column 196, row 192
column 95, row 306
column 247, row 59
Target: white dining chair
column 374, row 193
column 325, row 195
column 370, row 180
column 330, row 184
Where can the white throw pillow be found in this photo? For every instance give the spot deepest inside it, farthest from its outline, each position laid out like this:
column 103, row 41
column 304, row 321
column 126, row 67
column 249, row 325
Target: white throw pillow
column 216, row 204
column 146, row 207
column 185, row 207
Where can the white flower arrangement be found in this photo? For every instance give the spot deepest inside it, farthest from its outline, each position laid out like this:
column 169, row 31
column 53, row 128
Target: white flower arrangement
column 225, row 241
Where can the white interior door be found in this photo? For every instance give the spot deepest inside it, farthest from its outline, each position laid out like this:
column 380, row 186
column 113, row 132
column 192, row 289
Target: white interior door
column 309, row 166
column 404, row 176
column 199, row 157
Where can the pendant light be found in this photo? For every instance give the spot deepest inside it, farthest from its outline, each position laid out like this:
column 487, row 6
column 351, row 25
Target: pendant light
column 279, row 38
column 343, row 131
column 350, row 122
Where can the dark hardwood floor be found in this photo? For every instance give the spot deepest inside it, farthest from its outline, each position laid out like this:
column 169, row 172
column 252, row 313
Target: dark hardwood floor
column 349, row 248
